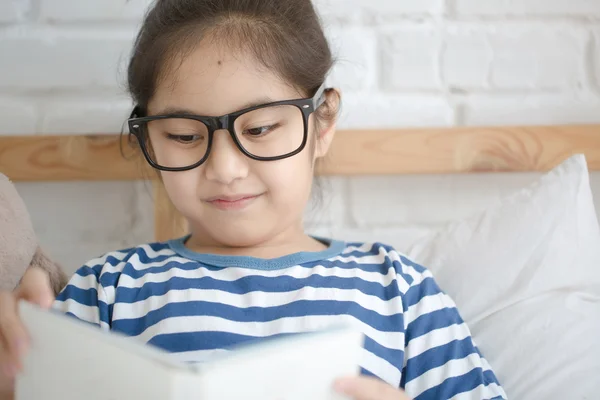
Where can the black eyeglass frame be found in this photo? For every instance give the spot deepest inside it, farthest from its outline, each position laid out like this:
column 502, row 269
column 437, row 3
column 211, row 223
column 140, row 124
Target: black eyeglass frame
column 306, row 105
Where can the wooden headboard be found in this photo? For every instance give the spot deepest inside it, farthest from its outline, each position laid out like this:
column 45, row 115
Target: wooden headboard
column 354, row 152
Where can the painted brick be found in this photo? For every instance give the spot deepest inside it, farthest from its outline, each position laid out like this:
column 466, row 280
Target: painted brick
column 81, row 116
column 374, row 11
column 17, row 117
column 355, row 50
column 410, row 59
column 583, row 8
column 92, row 10
column 466, row 58
column 529, row 56
column 595, row 59
column 368, row 110
column 537, row 57
column 530, row 109
column 43, row 59
column 14, row 10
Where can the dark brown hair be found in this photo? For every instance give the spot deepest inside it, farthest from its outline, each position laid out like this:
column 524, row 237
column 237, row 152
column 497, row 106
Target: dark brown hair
column 284, row 36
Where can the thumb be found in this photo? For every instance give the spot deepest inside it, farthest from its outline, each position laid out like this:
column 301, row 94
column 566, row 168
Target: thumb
column 35, row 288
column 368, row 388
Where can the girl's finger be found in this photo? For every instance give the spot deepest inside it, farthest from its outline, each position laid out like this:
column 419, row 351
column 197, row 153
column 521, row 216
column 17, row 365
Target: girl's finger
column 35, row 288
column 368, row 388
column 13, row 335
column 5, row 364
column 7, row 385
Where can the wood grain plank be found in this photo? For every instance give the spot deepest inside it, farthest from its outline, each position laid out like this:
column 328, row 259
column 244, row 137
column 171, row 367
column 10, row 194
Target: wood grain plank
column 461, row 150
column 354, row 152
column 71, row 157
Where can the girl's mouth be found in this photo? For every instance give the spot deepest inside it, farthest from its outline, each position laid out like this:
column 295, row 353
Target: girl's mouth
column 235, row 202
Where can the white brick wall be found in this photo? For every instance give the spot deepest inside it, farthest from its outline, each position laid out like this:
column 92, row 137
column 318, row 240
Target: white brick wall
column 376, row 11
column 14, row 10
column 410, row 58
column 85, row 114
column 92, row 10
column 356, row 68
column 595, row 59
column 466, row 57
column 401, row 63
column 537, row 57
column 362, row 110
column 46, row 58
column 17, row 116
column 546, row 8
column 530, row 108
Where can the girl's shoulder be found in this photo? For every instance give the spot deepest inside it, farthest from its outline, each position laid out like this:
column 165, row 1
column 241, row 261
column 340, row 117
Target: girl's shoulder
column 138, row 257
column 379, row 252
column 383, row 258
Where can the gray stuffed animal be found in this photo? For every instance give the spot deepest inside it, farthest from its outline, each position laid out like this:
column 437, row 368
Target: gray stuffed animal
column 19, row 247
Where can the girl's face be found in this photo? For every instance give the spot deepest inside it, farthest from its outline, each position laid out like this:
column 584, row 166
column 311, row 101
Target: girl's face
column 232, row 200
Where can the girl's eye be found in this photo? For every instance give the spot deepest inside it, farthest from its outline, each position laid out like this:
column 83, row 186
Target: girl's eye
column 185, row 138
column 261, row 130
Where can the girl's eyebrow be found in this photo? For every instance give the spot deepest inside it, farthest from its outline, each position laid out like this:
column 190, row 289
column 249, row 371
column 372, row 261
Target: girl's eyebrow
column 174, row 110
column 185, row 111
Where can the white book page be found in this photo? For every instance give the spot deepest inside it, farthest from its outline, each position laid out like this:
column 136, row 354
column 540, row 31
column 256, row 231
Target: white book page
column 73, row 360
column 293, row 368
column 39, row 320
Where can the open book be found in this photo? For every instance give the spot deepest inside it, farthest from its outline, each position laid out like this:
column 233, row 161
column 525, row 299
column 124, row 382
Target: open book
column 73, row 360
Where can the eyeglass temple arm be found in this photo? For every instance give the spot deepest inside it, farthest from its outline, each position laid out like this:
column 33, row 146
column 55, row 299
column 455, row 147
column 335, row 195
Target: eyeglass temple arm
column 135, row 112
column 319, row 97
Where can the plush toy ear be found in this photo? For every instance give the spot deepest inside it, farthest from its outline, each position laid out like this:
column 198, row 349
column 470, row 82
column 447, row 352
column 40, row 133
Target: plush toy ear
column 18, row 242
column 19, row 247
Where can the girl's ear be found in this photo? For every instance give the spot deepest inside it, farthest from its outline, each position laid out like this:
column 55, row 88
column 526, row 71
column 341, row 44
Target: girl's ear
column 328, row 130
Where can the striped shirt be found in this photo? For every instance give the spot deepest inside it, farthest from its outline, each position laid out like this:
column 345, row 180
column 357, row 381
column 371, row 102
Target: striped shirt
column 194, row 305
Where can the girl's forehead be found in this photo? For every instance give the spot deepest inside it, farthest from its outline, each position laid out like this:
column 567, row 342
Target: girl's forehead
column 215, row 81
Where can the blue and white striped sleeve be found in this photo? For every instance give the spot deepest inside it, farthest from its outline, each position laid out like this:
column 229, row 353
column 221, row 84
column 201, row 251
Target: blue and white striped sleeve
column 85, row 298
column 441, row 359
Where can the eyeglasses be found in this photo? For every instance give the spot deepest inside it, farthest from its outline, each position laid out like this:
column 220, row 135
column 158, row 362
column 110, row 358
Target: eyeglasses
column 268, row 132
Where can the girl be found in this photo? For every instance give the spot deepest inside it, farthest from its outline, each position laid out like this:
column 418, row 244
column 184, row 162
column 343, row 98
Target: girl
column 232, row 111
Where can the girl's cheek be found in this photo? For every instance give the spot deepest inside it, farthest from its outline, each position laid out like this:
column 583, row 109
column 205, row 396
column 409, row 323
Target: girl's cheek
column 181, row 184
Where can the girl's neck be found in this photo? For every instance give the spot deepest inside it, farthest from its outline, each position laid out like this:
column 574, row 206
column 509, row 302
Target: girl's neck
column 281, row 245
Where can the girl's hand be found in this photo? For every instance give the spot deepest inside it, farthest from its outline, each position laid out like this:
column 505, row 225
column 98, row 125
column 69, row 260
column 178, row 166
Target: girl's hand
column 367, row 388
column 14, row 341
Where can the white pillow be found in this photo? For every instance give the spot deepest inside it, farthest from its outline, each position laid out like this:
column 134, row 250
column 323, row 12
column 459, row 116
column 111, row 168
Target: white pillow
column 525, row 274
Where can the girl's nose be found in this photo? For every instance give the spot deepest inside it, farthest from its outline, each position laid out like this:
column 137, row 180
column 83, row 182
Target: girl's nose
column 226, row 162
